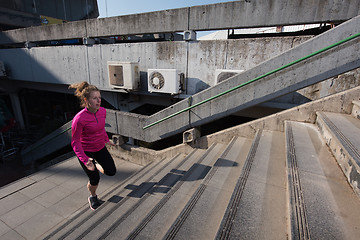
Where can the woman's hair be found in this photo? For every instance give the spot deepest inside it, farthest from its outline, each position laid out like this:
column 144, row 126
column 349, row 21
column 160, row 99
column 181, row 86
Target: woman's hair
column 83, row 90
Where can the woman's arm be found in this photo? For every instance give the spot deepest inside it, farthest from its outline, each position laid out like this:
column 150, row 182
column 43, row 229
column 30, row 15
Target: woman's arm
column 77, row 128
column 106, row 137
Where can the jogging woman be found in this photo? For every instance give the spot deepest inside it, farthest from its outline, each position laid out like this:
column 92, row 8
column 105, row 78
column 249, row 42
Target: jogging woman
column 89, row 138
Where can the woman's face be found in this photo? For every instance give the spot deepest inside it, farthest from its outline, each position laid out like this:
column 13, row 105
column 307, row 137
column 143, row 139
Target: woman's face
column 94, row 101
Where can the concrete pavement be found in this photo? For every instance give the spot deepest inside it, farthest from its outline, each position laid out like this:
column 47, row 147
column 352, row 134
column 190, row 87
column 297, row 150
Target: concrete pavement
column 33, row 205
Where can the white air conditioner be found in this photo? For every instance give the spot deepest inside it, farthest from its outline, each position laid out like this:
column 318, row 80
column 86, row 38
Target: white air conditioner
column 223, row 74
column 165, row 81
column 124, row 75
column 2, row 69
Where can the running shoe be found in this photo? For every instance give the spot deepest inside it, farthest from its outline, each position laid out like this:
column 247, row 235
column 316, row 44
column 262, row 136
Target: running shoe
column 93, row 202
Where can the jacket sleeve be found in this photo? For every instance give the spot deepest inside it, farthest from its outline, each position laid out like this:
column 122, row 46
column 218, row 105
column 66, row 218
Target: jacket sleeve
column 77, row 128
column 106, row 137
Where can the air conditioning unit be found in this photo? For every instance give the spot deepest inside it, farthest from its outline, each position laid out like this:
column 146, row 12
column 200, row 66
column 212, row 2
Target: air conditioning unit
column 223, row 74
column 165, row 81
column 2, row 69
column 124, row 75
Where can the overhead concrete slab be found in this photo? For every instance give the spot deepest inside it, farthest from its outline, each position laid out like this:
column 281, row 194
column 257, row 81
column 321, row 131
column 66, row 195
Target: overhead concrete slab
column 229, row 15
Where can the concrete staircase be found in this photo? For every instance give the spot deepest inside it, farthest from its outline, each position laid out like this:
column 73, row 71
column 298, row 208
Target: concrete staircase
column 276, row 185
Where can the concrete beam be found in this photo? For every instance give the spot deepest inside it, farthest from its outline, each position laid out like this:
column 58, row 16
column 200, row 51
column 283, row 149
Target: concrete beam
column 316, row 69
column 229, row 15
column 71, row 30
column 173, row 20
column 262, row 13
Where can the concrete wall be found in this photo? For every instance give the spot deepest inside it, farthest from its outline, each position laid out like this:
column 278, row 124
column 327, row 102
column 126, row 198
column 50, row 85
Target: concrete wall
column 15, row 14
column 48, row 65
column 198, row 60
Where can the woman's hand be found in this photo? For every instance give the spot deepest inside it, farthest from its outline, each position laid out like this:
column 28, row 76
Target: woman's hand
column 110, row 143
column 90, row 165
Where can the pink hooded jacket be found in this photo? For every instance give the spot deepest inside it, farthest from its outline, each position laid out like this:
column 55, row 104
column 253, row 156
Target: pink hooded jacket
column 88, row 132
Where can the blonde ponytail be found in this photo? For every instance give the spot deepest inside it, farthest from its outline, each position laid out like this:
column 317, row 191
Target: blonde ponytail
column 82, row 91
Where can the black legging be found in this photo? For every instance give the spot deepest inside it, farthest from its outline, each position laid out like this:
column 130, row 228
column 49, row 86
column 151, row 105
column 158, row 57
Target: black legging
column 104, row 158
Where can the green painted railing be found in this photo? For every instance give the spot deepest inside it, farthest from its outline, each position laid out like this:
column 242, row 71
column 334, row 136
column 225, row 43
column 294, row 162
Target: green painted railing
column 255, row 79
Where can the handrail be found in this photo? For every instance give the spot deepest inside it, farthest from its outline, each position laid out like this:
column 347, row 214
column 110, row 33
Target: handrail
column 254, row 79
column 46, row 141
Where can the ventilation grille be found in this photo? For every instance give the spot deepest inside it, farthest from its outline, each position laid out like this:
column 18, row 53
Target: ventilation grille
column 157, row 80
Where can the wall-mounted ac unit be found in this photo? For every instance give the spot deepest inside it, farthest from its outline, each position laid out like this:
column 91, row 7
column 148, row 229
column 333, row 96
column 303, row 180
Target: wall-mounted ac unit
column 165, row 81
column 223, row 74
column 124, row 75
column 2, row 69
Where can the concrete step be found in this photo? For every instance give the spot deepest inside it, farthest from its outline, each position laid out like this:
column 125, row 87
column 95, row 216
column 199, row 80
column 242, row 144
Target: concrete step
column 80, row 222
column 341, row 133
column 257, row 209
column 322, row 204
column 202, row 215
column 172, row 202
column 123, row 211
column 275, row 186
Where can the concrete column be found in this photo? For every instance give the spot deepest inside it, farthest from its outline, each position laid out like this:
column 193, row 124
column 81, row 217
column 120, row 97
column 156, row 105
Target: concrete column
column 15, row 102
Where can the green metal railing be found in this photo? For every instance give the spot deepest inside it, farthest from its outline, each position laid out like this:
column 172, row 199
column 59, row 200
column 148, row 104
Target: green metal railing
column 255, row 79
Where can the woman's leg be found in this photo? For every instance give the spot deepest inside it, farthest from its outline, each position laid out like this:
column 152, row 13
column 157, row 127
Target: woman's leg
column 106, row 165
column 94, row 177
column 92, row 189
column 100, row 168
column 106, row 162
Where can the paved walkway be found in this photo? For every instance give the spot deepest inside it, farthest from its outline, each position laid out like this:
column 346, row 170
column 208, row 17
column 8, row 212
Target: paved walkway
column 11, row 170
column 32, row 206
